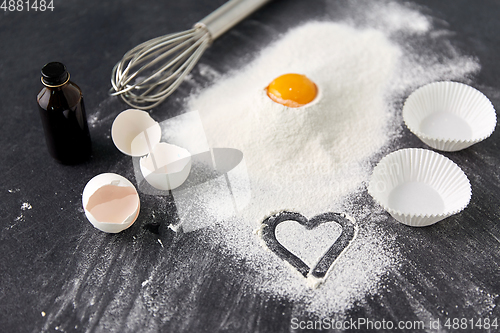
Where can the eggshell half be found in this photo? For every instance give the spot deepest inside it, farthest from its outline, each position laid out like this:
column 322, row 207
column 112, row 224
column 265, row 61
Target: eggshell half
column 166, row 167
column 134, row 132
column 97, row 183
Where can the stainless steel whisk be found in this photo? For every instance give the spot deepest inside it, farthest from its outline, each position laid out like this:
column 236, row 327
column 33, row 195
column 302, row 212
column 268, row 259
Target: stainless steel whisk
column 151, row 71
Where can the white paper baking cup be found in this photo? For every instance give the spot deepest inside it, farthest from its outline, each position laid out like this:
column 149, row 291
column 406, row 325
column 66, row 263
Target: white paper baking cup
column 419, row 187
column 449, row 116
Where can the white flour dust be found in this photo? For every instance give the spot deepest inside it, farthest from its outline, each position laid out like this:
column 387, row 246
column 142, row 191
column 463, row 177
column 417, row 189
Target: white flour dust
column 312, row 159
column 26, row 205
column 306, row 244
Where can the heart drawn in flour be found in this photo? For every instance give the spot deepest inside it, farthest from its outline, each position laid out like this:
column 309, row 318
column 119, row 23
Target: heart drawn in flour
column 326, row 260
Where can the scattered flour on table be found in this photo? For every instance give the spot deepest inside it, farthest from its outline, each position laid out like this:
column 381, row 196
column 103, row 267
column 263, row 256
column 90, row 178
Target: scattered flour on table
column 26, row 205
column 313, row 159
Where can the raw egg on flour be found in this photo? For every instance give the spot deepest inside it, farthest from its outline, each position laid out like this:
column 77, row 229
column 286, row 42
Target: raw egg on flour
column 292, row 90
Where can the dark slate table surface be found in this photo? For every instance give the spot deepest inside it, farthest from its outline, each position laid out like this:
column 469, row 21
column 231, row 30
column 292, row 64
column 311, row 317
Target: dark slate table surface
column 42, row 249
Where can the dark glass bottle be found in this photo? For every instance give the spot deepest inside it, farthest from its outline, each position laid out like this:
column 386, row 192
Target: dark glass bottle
column 61, row 107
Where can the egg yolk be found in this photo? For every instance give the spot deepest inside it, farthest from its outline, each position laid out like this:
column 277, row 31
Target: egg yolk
column 292, row 90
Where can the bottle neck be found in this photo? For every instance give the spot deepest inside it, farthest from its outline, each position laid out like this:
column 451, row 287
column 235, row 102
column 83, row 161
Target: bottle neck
column 55, row 86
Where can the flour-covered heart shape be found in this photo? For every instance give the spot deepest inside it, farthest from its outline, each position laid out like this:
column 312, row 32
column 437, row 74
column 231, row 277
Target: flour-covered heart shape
column 307, row 244
column 340, row 240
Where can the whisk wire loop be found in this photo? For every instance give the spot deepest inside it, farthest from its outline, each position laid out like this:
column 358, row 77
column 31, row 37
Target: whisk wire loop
column 151, row 71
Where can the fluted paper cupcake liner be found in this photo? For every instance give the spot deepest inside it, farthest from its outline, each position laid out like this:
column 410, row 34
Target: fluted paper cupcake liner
column 449, row 116
column 419, row 187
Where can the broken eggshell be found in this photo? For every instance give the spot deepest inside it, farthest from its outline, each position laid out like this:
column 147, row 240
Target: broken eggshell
column 166, row 167
column 134, row 132
column 111, row 202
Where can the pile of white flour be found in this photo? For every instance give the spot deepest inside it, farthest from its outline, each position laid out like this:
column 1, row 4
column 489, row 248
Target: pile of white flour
column 313, row 159
column 306, row 158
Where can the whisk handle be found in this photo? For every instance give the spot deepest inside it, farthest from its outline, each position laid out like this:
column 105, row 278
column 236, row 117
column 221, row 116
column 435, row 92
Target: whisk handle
column 229, row 14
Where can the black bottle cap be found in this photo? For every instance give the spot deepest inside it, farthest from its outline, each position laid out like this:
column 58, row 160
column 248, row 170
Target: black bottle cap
column 54, row 74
